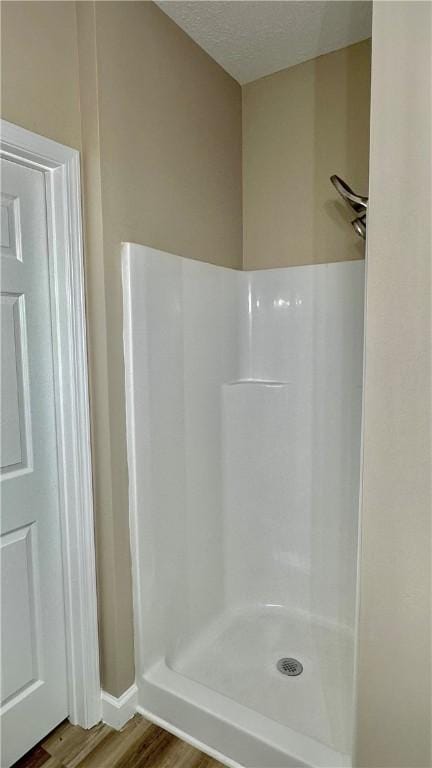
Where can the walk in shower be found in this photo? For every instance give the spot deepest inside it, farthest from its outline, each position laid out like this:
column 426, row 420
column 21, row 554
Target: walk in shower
column 244, row 412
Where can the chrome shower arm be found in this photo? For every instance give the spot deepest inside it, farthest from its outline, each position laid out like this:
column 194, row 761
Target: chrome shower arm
column 358, row 202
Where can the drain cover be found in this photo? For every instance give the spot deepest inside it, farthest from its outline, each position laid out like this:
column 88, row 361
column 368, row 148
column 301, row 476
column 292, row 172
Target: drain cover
column 290, row 667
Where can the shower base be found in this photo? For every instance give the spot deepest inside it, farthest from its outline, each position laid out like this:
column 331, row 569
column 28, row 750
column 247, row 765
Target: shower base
column 238, row 698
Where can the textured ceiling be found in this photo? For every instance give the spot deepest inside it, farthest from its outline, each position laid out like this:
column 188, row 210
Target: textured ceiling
column 253, row 39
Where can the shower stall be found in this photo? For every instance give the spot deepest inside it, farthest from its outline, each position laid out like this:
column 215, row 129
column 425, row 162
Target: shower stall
column 244, row 394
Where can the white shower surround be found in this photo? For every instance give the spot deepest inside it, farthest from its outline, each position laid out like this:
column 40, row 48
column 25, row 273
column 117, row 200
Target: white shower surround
column 243, row 398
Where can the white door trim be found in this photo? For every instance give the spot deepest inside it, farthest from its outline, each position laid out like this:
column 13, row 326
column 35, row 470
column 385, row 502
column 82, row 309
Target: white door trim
column 61, row 167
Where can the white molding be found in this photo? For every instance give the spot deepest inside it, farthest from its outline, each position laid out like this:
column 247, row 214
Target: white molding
column 61, row 167
column 116, row 712
column 130, row 444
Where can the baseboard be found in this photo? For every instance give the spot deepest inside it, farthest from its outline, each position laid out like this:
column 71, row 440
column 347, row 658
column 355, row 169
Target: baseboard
column 116, row 712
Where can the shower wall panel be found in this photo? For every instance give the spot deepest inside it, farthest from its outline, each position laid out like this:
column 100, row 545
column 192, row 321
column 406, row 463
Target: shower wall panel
column 259, row 464
column 306, row 333
column 182, row 342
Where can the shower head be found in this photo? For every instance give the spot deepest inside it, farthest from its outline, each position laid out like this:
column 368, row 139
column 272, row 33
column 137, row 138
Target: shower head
column 357, row 202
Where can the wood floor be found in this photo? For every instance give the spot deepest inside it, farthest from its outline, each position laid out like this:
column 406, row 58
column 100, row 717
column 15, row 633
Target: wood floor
column 139, row 745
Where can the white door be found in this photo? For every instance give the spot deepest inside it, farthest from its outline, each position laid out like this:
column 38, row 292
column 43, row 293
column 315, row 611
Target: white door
column 33, row 654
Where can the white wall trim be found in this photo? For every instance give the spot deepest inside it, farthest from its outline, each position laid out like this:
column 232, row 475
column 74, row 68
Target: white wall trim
column 116, row 712
column 61, row 167
column 130, row 444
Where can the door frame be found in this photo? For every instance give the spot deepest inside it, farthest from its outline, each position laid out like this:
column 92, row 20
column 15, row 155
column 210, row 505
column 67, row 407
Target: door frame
column 61, row 168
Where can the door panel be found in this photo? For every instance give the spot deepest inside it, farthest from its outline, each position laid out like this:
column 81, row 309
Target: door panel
column 20, row 611
column 34, row 681
column 15, row 422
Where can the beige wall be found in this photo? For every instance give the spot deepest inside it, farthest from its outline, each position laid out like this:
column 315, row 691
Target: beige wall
column 169, row 135
column 39, row 69
column 301, row 125
column 159, row 126
column 394, row 668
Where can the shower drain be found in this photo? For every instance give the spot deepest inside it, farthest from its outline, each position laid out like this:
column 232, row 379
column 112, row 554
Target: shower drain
column 290, row 667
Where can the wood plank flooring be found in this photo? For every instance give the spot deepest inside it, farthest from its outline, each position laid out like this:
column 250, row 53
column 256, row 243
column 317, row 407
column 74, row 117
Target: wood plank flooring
column 139, row 745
